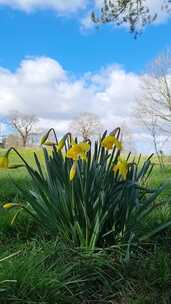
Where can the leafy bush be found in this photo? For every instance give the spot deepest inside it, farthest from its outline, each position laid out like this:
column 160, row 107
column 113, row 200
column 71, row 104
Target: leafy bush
column 89, row 195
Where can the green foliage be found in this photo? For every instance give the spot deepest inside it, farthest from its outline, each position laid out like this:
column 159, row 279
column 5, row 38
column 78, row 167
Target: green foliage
column 51, row 272
column 150, row 275
column 99, row 207
column 9, row 178
column 96, row 278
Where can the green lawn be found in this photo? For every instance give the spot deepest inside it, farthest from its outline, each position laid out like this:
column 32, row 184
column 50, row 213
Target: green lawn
column 47, row 271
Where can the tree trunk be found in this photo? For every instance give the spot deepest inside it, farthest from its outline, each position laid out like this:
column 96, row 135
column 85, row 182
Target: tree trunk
column 24, row 141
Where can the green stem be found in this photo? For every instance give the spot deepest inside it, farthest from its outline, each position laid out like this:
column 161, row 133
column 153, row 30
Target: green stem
column 13, row 149
column 53, row 130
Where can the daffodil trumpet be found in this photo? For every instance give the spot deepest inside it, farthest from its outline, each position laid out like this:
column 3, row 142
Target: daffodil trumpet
column 110, row 141
column 78, row 151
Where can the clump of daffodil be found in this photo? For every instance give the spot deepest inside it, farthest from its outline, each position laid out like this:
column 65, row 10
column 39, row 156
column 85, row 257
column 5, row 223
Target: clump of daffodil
column 121, row 167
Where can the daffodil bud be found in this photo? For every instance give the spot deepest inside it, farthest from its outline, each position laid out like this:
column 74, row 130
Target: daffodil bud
column 49, row 143
column 61, row 143
column 44, row 138
column 4, row 162
column 73, row 171
column 10, row 205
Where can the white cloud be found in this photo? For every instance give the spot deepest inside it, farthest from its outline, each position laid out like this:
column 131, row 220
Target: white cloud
column 57, row 5
column 156, row 6
column 82, row 7
column 41, row 86
column 69, row 6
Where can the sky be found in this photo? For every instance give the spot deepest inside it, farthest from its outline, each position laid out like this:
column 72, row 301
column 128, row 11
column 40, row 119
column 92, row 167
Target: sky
column 55, row 64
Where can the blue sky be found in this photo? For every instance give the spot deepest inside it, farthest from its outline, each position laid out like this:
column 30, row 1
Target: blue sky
column 43, row 33
column 53, row 65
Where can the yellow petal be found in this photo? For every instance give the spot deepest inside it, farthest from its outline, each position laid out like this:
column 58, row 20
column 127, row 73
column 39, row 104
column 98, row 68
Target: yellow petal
column 109, row 141
column 122, row 167
column 115, row 168
column 117, row 143
column 83, row 156
column 85, row 147
column 74, row 152
column 78, row 151
column 73, row 171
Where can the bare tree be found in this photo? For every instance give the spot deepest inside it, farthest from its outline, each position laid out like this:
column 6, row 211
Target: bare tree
column 135, row 13
column 86, row 125
column 154, row 104
column 23, row 124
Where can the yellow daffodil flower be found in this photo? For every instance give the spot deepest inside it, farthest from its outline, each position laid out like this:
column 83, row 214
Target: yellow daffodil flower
column 109, row 141
column 78, row 151
column 4, row 162
column 122, row 167
column 73, row 171
column 75, row 152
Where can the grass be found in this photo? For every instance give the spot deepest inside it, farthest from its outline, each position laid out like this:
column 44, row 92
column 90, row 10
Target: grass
column 48, row 271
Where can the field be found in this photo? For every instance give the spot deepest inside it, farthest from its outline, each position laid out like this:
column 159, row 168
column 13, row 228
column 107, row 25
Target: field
column 44, row 270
